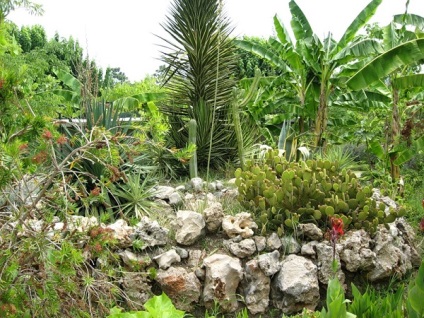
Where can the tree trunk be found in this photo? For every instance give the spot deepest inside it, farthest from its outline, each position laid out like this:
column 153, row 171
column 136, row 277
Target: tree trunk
column 394, row 135
column 321, row 119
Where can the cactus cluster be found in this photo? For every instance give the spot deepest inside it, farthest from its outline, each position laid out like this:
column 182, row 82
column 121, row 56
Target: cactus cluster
column 282, row 194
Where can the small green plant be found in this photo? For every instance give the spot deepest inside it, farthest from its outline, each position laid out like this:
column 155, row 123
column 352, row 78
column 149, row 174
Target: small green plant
column 372, row 305
column 156, row 307
column 414, row 302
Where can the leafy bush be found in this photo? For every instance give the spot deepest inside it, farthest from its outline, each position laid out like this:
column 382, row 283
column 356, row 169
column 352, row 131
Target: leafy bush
column 282, row 194
column 156, row 307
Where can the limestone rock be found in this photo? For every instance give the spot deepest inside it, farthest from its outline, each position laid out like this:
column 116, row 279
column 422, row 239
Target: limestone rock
column 270, row 262
column 150, row 233
column 324, row 252
column 260, row 242
column 393, row 256
column 258, row 286
column 165, row 260
column 290, row 245
column 191, row 226
column 175, row 199
column 356, row 253
column 273, row 242
column 183, row 288
column 133, row 260
column 240, row 224
column 308, row 249
column 243, row 249
column 296, row 285
column 310, row 231
column 213, row 217
column 196, row 184
column 223, row 275
column 163, row 192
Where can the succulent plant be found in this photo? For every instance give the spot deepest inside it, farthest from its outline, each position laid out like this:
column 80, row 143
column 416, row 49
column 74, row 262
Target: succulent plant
column 282, row 194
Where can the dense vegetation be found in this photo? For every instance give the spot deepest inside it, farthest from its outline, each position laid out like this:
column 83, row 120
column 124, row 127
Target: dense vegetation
column 355, row 104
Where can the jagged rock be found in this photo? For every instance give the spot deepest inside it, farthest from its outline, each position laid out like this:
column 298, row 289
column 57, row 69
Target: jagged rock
column 219, row 185
column 191, row 226
column 260, row 242
column 325, row 260
column 183, row 288
column 296, row 285
column 182, row 252
column 163, row 192
column 195, row 258
column 290, row 245
column 308, row 249
column 196, row 184
column 180, row 188
column 200, row 273
column 393, row 256
column 270, row 262
column 136, row 287
column 212, row 186
column 408, row 234
column 273, row 242
column 223, row 275
column 242, row 249
column 310, row 231
column 133, row 260
column 165, row 260
column 355, row 252
column 258, row 286
column 213, row 217
column 150, row 233
column 175, row 199
column 239, row 224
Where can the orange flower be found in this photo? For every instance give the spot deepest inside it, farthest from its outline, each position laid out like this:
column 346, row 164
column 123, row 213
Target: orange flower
column 95, row 192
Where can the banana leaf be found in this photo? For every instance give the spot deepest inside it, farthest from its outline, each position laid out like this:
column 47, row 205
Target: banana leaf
column 404, row 54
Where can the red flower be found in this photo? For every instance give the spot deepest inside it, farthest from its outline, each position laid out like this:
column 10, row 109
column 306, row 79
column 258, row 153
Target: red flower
column 61, row 140
column 47, row 135
column 337, row 226
column 95, row 192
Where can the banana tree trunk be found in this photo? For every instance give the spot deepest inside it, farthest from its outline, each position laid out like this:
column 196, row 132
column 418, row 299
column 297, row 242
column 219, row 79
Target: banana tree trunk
column 394, row 135
column 321, row 119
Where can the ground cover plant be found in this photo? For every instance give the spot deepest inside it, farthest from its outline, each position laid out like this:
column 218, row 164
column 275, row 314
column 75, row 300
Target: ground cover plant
column 307, row 136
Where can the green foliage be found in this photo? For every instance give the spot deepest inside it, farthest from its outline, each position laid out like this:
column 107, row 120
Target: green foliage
column 281, row 194
column 335, row 301
column 156, row 307
column 372, row 305
column 134, row 195
column 414, row 302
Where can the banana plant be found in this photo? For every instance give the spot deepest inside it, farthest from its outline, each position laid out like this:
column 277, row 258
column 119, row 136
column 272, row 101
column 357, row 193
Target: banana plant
column 313, row 65
column 392, row 73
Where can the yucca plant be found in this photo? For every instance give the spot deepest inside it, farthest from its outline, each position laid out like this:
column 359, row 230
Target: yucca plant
column 200, row 58
column 134, row 196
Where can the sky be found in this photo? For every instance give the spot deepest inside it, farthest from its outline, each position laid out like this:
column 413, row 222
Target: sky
column 124, row 33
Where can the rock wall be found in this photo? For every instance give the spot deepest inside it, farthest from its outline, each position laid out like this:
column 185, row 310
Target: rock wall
column 216, row 257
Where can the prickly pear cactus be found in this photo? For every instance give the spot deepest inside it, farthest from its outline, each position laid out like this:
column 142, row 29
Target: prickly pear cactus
column 282, row 194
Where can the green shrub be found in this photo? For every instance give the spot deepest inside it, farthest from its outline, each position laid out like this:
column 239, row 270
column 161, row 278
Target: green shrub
column 282, row 194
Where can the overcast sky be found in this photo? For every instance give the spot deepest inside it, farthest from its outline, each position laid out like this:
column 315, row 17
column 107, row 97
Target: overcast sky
column 122, row 33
